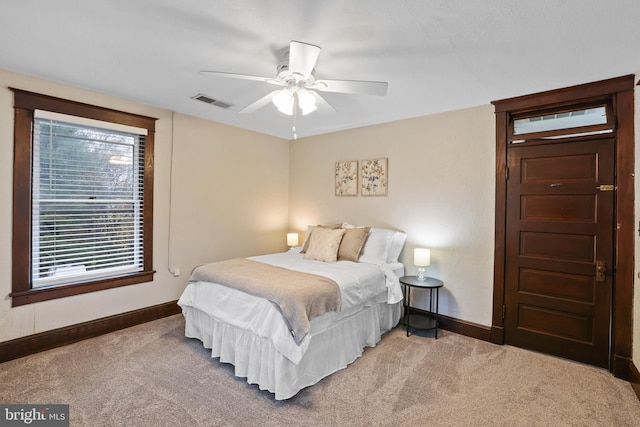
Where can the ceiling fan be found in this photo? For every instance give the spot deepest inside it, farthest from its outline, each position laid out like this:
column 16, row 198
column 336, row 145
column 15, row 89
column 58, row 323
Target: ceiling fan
column 299, row 86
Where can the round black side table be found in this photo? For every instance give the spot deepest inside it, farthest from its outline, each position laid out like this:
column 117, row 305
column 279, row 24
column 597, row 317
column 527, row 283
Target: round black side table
column 428, row 320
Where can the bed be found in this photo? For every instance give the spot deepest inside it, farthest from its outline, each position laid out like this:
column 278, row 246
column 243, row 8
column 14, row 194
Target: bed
column 257, row 336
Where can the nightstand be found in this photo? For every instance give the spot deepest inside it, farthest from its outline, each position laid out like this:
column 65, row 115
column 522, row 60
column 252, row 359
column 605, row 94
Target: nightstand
column 429, row 320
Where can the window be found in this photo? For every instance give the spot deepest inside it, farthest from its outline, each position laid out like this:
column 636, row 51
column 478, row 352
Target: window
column 87, row 200
column 565, row 120
column 83, row 206
column 561, row 122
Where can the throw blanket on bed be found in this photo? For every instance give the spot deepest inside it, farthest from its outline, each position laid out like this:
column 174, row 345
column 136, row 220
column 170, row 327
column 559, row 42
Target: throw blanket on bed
column 299, row 296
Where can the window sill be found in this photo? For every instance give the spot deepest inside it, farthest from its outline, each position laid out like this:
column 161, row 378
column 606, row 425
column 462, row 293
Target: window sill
column 55, row 292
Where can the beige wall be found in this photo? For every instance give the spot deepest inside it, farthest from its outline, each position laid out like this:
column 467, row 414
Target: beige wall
column 230, row 193
column 229, row 197
column 441, row 193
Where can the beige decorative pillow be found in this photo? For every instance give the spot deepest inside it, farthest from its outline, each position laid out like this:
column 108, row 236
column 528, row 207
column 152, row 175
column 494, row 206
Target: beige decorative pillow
column 310, row 229
column 324, row 244
column 352, row 243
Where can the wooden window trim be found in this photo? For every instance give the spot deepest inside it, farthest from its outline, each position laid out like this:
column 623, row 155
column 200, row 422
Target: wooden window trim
column 25, row 103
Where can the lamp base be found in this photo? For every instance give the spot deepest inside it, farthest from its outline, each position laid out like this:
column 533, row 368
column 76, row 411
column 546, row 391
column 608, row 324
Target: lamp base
column 422, row 276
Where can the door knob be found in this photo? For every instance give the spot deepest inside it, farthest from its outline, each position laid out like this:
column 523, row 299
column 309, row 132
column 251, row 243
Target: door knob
column 601, row 270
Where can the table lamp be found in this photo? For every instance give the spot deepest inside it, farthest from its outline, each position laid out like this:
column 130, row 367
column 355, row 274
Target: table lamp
column 422, row 258
column 292, row 239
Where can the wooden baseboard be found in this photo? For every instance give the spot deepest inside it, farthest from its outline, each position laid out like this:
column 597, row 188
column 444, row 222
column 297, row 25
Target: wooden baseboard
column 461, row 327
column 634, row 379
column 621, row 367
column 497, row 335
column 31, row 344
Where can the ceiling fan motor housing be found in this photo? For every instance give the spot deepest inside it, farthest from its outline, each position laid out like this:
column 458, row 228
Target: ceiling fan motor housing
column 290, row 78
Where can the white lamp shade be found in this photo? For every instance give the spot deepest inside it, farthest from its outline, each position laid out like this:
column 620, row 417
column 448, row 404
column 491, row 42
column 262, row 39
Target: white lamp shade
column 284, row 101
column 421, row 257
column 292, row 239
column 307, row 101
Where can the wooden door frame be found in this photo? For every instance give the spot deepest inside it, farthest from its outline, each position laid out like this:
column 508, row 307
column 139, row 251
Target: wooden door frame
column 621, row 92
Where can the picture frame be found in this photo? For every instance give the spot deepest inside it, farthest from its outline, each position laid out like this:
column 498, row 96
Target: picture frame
column 373, row 177
column 346, row 178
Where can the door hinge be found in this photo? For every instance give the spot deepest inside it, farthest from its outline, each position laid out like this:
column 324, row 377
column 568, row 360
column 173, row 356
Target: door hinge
column 504, row 311
column 506, row 173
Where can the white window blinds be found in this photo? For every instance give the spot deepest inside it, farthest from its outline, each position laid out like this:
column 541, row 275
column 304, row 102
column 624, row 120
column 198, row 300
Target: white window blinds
column 87, row 200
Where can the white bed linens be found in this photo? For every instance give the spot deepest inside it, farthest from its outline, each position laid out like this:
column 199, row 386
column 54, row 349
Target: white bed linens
column 361, row 285
column 358, row 281
column 256, row 359
column 250, row 333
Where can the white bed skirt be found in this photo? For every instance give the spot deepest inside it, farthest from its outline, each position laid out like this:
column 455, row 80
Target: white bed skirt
column 256, row 359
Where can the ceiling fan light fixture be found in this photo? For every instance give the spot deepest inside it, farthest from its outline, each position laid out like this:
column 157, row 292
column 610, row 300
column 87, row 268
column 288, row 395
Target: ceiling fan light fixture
column 288, row 110
column 306, row 101
column 283, row 99
column 309, row 110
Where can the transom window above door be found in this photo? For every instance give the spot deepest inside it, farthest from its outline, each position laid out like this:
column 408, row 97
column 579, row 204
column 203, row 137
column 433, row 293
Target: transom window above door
column 588, row 120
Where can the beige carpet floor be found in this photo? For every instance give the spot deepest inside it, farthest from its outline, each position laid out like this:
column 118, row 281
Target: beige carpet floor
column 151, row 375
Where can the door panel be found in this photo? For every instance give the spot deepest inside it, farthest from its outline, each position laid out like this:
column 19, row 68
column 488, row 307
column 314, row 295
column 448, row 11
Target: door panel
column 553, row 322
column 548, row 170
column 558, row 207
column 556, row 246
column 559, row 224
column 573, row 287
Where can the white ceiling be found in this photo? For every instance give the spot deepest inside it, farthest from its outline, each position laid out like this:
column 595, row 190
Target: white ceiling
column 437, row 55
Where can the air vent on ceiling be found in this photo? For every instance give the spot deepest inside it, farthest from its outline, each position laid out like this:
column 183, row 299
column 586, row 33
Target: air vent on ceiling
column 209, row 100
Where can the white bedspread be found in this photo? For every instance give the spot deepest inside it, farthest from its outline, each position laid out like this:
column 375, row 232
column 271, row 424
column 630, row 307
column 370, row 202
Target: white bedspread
column 358, row 281
column 361, row 285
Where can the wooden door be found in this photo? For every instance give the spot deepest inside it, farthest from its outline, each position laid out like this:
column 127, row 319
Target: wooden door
column 559, row 229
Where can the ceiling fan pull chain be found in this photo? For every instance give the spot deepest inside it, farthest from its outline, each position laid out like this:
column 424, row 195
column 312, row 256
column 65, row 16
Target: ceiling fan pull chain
column 296, row 104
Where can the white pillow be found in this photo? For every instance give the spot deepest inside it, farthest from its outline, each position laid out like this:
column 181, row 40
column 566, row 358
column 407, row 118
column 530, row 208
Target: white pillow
column 381, row 244
column 396, row 245
column 324, row 244
column 377, row 245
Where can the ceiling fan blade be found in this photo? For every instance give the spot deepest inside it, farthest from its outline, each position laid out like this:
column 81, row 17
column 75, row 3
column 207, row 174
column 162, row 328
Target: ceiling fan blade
column 302, row 58
column 256, row 105
column 242, row 77
column 359, row 87
column 323, row 103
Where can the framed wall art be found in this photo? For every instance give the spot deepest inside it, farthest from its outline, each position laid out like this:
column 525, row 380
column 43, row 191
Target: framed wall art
column 346, row 174
column 373, row 177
